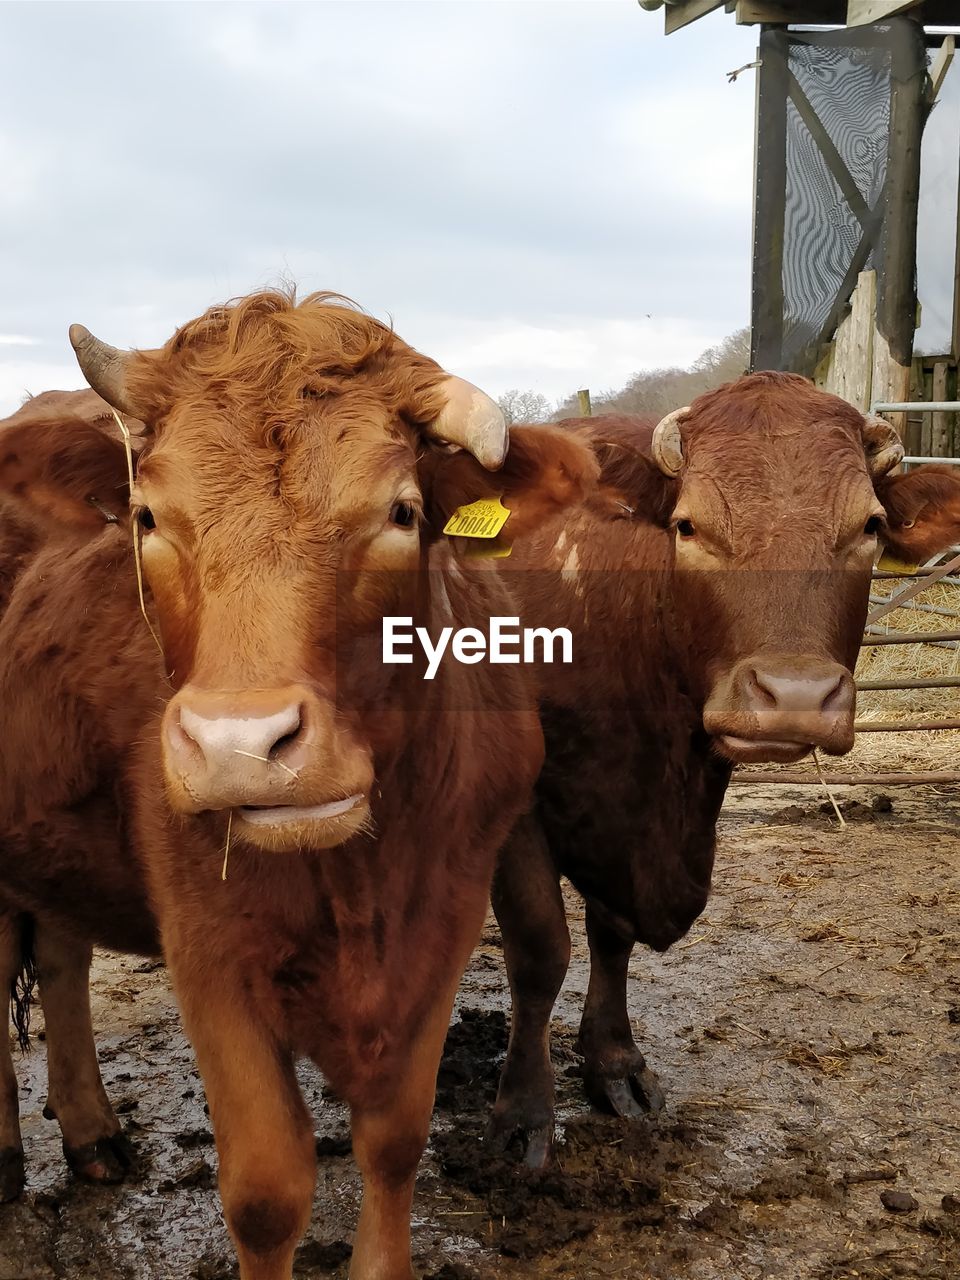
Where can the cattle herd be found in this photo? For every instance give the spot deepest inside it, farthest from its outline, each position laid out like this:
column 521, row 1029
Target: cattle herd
column 204, row 757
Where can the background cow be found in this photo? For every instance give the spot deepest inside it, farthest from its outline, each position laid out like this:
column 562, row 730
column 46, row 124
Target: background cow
column 718, row 617
column 923, row 511
column 63, row 477
column 288, row 498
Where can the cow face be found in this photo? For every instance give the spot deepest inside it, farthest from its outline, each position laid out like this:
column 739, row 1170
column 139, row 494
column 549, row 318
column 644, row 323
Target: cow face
column 776, row 522
column 285, row 505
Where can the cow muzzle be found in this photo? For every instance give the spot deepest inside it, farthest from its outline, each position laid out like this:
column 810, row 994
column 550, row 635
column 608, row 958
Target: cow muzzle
column 779, row 707
column 277, row 759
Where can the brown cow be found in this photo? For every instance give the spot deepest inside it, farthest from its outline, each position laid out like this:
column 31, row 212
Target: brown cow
column 288, row 499
column 62, row 477
column 923, row 511
column 717, row 620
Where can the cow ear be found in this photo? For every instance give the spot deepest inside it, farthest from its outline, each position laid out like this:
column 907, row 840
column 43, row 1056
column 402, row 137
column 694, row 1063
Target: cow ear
column 65, row 473
column 546, row 470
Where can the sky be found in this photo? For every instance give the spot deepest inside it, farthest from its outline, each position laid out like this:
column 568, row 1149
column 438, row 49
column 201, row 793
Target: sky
column 539, row 194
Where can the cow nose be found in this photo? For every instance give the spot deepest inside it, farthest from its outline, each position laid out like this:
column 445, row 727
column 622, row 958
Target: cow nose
column 800, row 700
column 237, row 750
column 257, row 737
column 795, row 693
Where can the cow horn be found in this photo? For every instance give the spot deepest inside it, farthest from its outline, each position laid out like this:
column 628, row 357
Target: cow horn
column 667, row 445
column 104, row 368
column 882, row 445
column 471, row 420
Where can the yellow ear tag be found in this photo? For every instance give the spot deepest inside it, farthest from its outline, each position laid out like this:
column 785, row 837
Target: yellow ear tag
column 482, row 551
column 890, row 564
column 482, row 519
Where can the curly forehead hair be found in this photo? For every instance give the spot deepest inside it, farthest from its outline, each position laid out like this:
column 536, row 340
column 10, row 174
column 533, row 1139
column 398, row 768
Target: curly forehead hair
column 269, row 350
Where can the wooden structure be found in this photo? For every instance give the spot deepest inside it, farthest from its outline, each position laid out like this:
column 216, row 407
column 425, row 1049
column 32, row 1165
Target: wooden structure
column 848, row 169
column 851, row 13
column 848, row 152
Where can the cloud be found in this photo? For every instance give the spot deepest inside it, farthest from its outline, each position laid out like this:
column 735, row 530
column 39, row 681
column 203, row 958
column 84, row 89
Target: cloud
column 558, row 358
column 504, row 170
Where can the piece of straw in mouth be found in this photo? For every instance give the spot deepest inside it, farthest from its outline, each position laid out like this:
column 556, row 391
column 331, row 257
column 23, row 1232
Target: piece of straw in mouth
column 128, row 450
column 823, row 782
column 252, row 755
column 226, row 848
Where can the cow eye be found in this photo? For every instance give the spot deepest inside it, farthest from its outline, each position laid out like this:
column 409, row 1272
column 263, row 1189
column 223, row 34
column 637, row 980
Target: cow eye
column 872, row 527
column 686, row 528
column 145, row 518
column 403, row 514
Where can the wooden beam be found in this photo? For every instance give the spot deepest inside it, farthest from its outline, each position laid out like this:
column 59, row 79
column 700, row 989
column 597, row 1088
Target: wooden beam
column 890, row 382
column 860, row 12
column 831, row 156
column 896, row 283
column 940, row 433
column 680, row 15
column 850, row 374
column 782, row 12
column 770, row 178
column 941, row 65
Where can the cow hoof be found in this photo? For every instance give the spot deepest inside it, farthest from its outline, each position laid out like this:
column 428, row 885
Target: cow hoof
column 12, row 1176
column 509, row 1135
column 633, row 1094
column 106, row 1160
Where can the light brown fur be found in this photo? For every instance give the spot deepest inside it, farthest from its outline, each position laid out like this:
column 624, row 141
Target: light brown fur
column 281, row 434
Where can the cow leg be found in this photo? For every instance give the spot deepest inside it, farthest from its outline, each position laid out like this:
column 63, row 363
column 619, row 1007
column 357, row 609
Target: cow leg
column 536, row 944
column 93, row 1143
column 264, row 1134
column 11, row 1146
column 615, row 1072
column 388, row 1141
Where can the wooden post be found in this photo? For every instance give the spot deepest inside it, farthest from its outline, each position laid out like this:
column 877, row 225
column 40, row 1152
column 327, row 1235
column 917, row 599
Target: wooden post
column 896, row 293
column 914, row 428
column 850, row 368
column 770, row 172
column 940, row 435
column 891, row 381
column 586, row 409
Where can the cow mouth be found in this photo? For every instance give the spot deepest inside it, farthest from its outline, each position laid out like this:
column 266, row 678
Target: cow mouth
column 285, row 814
column 760, row 750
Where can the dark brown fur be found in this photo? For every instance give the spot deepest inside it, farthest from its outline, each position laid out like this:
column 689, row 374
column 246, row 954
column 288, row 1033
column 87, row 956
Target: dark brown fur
column 642, row 729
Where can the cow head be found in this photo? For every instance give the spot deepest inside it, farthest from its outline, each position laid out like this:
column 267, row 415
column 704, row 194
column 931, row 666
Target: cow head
column 62, row 459
column 923, row 511
column 296, row 448
column 776, row 519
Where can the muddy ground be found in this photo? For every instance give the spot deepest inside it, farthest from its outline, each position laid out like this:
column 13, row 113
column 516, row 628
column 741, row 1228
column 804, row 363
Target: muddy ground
column 807, row 1033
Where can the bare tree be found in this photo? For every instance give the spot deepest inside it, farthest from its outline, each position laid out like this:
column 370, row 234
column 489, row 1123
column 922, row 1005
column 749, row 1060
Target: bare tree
column 525, row 406
column 658, row 391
